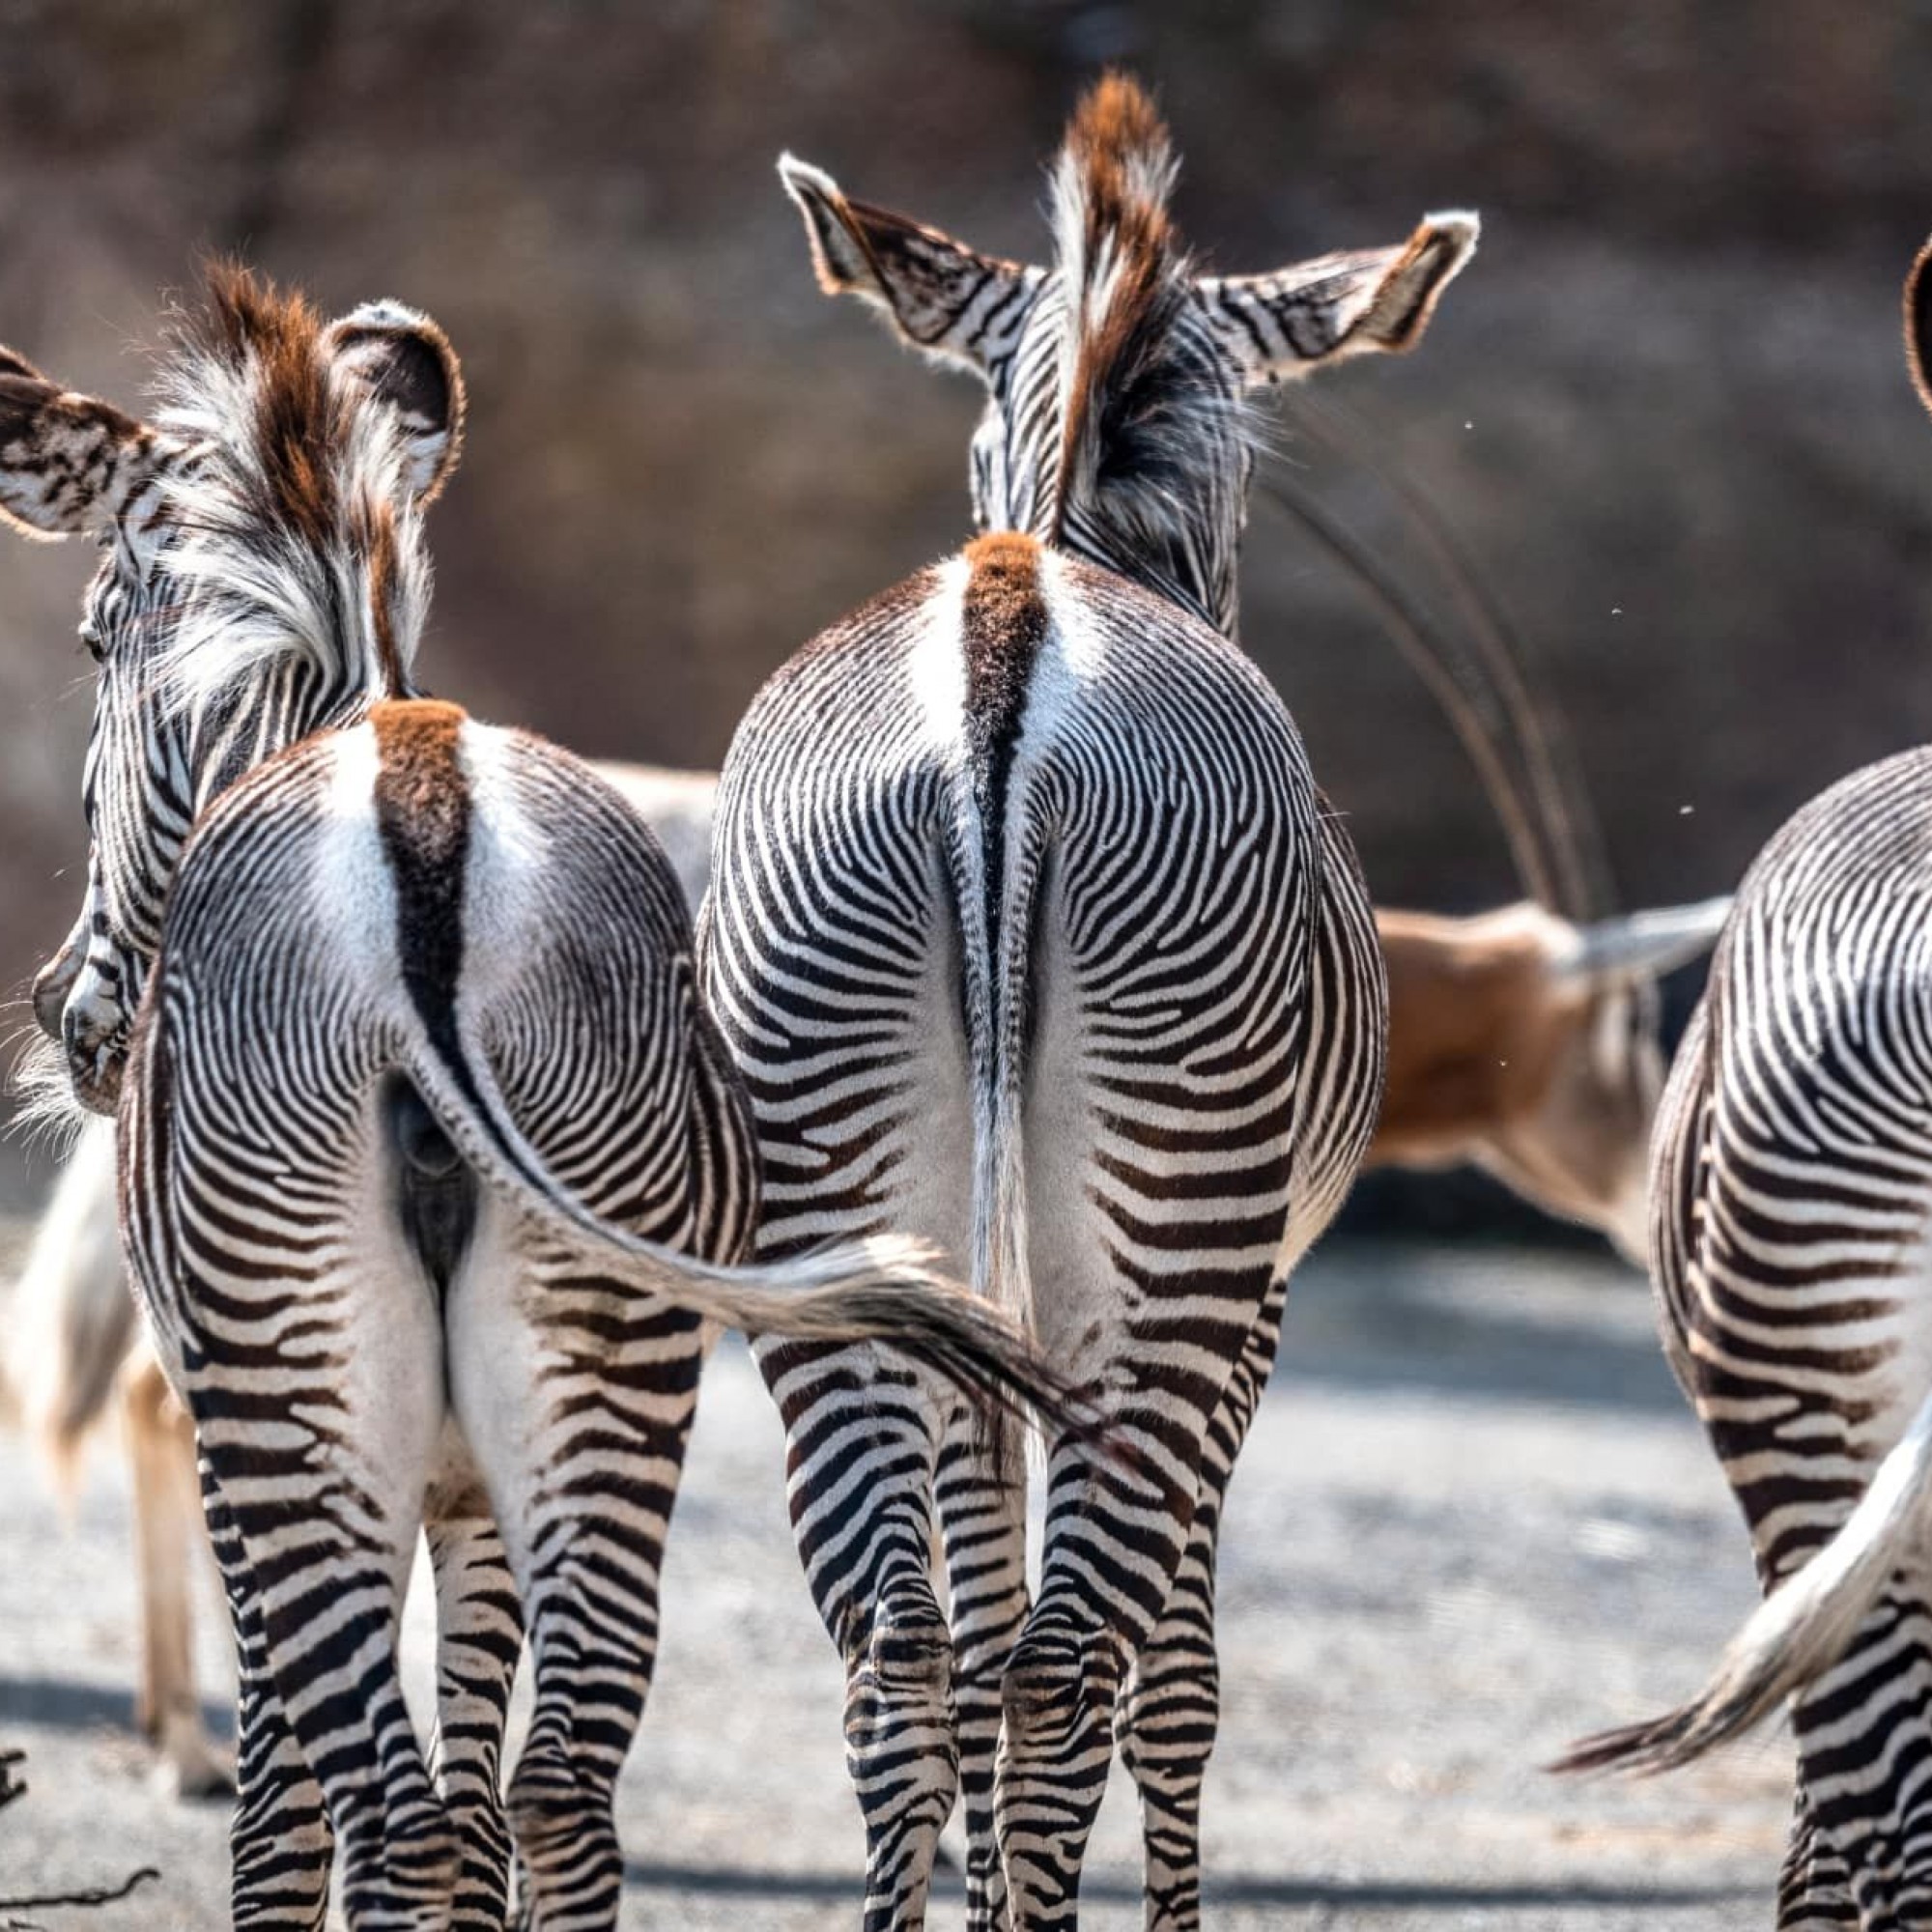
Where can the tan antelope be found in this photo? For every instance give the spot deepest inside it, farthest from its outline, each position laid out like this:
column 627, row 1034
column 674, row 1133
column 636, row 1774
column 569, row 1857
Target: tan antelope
column 1519, row 1042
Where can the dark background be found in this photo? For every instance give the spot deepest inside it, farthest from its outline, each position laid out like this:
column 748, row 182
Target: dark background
column 1665, row 409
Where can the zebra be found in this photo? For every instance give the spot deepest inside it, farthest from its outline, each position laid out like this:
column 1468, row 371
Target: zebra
column 1033, row 935
column 433, row 1167
column 1791, row 1182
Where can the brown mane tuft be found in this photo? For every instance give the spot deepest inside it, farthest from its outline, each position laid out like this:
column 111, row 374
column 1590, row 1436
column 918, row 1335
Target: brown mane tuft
column 1126, row 273
column 300, row 421
column 1120, row 149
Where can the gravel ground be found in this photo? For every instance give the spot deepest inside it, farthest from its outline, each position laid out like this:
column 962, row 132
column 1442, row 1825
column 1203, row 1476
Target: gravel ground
column 1474, row 1518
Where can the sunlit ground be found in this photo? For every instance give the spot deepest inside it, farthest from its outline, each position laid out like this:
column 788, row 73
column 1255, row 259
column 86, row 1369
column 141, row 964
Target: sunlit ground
column 1474, row 1519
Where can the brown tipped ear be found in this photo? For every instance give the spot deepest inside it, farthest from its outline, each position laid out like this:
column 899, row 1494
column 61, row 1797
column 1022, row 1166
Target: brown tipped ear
column 406, row 359
column 939, row 294
column 1918, row 324
column 1285, row 324
column 68, row 463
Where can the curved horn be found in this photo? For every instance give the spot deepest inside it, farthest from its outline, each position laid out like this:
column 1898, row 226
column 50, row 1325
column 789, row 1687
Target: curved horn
column 1415, row 637
column 1918, row 324
column 1558, row 804
column 1644, row 945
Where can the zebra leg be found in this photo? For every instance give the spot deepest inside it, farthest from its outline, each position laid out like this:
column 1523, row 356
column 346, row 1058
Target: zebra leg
column 1170, row 1713
column 864, row 1440
column 980, row 1491
column 1813, row 1887
column 1115, row 1536
column 279, row 1840
column 479, row 1634
column 1858, row 1727
column 574, row 1395
column 323, row 1609
column 324, row 1490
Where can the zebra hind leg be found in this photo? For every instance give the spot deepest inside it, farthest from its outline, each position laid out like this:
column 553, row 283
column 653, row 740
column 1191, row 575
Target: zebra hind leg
column 280, row 1837
column 1169, row 1711
column 327, row 1526
column 864, row 1442
column 1861, row 1741
column 574, row 1395
column 981, row 1496
column 479, row 1634
column 1813, row 1888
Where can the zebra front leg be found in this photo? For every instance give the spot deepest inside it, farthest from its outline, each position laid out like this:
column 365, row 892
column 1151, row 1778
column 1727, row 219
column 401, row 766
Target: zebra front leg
column 980, row 1492
column 574, row 1395
column 863, row 1439
column 480, row 1636
column 1169, row 1716
column 280, row 1844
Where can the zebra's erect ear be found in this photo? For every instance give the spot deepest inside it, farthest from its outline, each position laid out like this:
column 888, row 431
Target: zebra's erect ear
column 406, row 359
column 1918, row 324
column 1285, row 324
column 939, row 294
column 69, row 463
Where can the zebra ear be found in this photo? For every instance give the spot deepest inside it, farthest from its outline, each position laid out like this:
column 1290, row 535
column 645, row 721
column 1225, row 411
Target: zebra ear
column 940, row 296
column 1918, row 324
column 406, row 359
column 68, row 463
column 1378, row 299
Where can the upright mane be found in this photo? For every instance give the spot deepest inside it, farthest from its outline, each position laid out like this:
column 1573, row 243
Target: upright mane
column 297, row 536
column 1138, row 410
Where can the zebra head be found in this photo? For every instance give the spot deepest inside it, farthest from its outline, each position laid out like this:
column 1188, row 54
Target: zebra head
column 1118, row 422
column 261, row 576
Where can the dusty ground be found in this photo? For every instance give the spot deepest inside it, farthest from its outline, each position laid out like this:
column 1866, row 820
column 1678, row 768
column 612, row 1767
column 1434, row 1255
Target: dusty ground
column 1473, row 1519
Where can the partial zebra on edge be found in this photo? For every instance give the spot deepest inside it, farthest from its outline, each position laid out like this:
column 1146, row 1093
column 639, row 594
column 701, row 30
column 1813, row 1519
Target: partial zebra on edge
column 1791, row 1244
column 1031, row 934
column 431, row 1164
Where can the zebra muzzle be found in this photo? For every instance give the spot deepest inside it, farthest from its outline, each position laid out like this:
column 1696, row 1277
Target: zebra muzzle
column 52, row 984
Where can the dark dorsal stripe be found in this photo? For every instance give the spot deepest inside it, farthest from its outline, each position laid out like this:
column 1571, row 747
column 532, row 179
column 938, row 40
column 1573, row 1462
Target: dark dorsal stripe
column 422, row 814
column 1003, row 627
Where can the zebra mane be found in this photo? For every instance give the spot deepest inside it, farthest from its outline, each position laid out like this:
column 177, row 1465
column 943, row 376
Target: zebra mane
column 297, row 535
column 1140, row 415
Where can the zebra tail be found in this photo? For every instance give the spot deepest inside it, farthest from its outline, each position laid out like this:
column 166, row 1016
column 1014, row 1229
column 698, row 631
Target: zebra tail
column 885, row 1288
column 72, row 1318
column 1798, row 1631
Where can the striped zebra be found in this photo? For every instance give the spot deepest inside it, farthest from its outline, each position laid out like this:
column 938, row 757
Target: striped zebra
column 432, row 1166
column 1791, row 1188
column 1031, row 934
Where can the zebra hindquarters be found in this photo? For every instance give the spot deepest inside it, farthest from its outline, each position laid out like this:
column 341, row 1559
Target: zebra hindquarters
column 1798, row 1271
column 875, row 1133
column 257, row 1196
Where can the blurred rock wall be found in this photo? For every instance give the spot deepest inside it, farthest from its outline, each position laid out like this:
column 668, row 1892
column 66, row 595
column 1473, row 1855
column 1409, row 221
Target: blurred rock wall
column 1664, row 411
